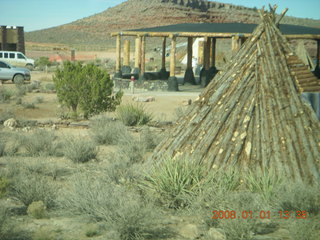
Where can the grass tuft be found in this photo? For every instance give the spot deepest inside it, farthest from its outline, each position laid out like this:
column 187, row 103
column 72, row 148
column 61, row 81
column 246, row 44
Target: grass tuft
column 133, row 115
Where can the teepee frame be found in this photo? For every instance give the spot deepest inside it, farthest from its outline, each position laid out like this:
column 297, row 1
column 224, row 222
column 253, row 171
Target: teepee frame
column 251, row 116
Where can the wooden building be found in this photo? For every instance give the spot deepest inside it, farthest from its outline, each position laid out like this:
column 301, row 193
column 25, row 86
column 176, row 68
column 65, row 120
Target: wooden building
column 12, row 39
column 211, row 32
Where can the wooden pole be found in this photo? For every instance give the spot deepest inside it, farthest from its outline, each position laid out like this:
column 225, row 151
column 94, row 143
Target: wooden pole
column 318, row 54
column 143, row 57
column 213, row 52
column 207, row 53
column 200, row 53
column 126, row 53
column 164, row 45
column 189, row 75
column 189, row 57
column 173, row 81
column 173, row 56
column 235, row 44
column 137, row 59
column 118, row 73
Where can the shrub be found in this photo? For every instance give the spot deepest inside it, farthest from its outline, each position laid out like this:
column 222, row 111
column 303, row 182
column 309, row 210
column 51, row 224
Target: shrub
column 37, row 210
column 44, row 233
column 6, row 114
column 123, row 209
column 132, row 115
column 39, row 100
column 107, row 131
column 4, row 185
column 305, row 229
column 132, row 149
column 41, row 143
column 92, row 230
column 299, row 197
column 33, row 86
column 42, row 62
column 266, row 183
column 5, row 95
column 21, row 90
column 87, row 87
column 2, row 147
column 28, row 105
column 30, row 188
column 175, row 181
column 80, row 151
column 149, row 139
column 49, row 87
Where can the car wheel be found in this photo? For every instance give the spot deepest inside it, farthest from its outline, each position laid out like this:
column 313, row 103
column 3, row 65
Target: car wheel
column 29, row 66
column 18, row 79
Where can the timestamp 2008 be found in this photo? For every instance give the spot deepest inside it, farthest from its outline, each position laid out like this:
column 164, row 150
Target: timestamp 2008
column 231, row 214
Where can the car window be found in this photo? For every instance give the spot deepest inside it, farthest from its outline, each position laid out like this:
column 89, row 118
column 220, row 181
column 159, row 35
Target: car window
column 3, row 65
column 20, row 56
column 11, row 55
column 1, row 55
column 5, row 55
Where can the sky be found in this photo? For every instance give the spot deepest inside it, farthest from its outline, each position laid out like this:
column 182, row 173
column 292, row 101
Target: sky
column 40, row 14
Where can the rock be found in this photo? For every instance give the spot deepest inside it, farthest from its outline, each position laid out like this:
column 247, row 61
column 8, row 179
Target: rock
column 143, row 99
column 10, row 123
column 216, row 234
column 54, row 127
column 189, row 231
column 14, row 207
column 266, row 226
column 187, row 102
column 26, row 129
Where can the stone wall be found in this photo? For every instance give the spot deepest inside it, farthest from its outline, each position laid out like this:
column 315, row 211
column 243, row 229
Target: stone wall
column 152, row 85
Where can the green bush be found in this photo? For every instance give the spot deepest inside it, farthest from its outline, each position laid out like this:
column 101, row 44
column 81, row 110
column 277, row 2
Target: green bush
column 30, row 188
column 132, row 115
column 4, row 185
column 28, row 105
column 306, row 229
column 150, row 139
column 6, row 114
column 21, row 90
column 106, row 131
column 42, row 62
column 40, row 143
column 49, row 87
column 121, row 208
column 132, row 149
column 33, row 86
column 267, row 183
column 293, row 196
column 37, row 210
column 87, row 87
column 5, row 95
column 175, row 181
column 80, row 151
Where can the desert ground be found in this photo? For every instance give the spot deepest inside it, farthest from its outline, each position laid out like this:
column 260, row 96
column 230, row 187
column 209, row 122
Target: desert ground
column 90, row 179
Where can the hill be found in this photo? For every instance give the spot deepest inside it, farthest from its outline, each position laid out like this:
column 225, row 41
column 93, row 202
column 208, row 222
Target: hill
column 95, row 30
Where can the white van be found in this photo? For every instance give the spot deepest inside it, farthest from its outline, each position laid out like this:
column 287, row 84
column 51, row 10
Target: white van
column 17, row 59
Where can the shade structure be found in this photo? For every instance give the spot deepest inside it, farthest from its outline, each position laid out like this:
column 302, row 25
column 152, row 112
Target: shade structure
column 252, row 116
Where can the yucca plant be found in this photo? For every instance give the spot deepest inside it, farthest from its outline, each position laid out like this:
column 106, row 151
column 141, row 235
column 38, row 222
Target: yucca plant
column 175, row 181
column 132, row 115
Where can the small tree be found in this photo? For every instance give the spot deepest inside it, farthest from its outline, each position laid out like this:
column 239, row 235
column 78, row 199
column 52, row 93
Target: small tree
column 86, row 87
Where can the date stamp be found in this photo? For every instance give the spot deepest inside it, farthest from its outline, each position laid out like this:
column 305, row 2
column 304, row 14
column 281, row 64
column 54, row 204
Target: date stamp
column 231, row 214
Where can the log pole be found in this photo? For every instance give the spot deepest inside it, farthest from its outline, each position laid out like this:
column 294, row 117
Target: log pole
column 317, row 69
column 118, row 73
column 143, row 58
column 213, row 52
column 236, row 44
column 204, row 77
column 173, row 81
column 189, row 75
column 137, row 56
column 163, row 71
column 126, row 69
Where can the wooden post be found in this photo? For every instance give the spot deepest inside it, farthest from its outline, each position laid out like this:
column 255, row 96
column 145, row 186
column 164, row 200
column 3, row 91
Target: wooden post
column 236, row 44
column 126, row 53
column 137, row 55
column 164, row 45
column 173, row 82
column 143, row 58
column 118, row 73
column 213, row 52
column 189, row 75
column 207, row 53
column 200, row 53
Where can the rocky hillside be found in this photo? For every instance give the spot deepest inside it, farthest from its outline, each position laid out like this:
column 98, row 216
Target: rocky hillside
column 132, row 14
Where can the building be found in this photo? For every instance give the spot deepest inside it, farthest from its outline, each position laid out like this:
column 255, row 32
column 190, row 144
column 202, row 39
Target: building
column 12, row 38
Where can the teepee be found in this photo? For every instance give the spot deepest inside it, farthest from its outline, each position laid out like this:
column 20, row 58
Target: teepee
column 251, row 116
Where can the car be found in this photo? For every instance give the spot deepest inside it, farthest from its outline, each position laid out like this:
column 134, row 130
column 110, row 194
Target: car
column 15, row 74
column 17, row 59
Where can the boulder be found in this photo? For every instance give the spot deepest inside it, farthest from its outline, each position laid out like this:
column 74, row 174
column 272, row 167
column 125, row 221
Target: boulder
column 216, row 234
column 10, row 123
